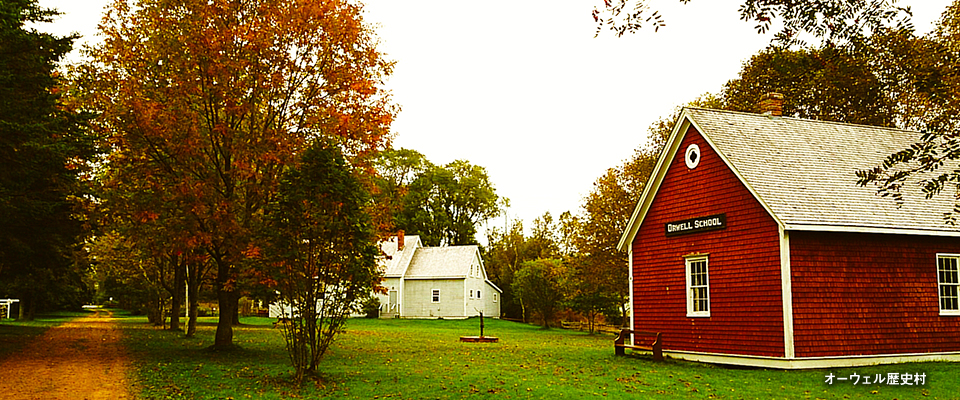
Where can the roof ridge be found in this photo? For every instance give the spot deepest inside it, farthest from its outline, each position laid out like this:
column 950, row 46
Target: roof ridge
column 797, row 119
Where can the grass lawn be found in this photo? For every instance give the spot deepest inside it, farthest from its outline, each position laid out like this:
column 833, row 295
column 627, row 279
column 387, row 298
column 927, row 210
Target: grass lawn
column 14, row 334
column 423, row 359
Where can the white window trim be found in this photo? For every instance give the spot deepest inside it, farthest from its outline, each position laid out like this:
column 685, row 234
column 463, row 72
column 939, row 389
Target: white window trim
column 687, row 261
column 939, row 284
column 692, row 149
column 471, row 293
column 478, row 293
column 435, row 294
column 494, row 297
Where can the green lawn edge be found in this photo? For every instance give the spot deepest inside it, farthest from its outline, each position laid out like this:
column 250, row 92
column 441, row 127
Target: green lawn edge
column 423, row 359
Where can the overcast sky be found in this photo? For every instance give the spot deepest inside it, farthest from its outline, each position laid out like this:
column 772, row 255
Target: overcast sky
column 524, row 89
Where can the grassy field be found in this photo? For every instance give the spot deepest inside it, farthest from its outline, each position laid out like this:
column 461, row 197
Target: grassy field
column 15, row 334
column 423, row 359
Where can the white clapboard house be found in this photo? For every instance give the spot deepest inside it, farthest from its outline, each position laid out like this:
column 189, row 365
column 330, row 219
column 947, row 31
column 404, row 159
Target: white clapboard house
column 435, row 282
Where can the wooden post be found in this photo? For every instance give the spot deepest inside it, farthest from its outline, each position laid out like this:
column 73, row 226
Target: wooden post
column 481, row 323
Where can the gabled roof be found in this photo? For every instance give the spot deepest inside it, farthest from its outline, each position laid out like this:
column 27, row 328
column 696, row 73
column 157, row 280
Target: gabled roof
column 443, row 262
column 804, row 173
column 396, row 262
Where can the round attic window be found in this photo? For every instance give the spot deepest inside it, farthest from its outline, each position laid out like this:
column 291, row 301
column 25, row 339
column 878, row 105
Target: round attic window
column 692, row 157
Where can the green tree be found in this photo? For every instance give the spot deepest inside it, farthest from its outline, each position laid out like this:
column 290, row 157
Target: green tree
column 395, row 171
column 540, row 285
column 594, row 293
column 322, row 252
column 507, row 250
column 44, row 147
column 829, row 83
column 444, row 204
column 543, row 241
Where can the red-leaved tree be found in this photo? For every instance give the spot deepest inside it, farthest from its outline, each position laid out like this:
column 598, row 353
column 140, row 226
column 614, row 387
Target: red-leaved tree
column 204, row 102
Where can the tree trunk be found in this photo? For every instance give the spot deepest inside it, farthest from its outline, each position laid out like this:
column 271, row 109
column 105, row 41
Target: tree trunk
column 192, row 320
column 31, row 308
column 155, row 313
column 227, row 301
column 193, row 294
column 227, row 298
column 523, row 311
column 179, row 277
column 236, row 313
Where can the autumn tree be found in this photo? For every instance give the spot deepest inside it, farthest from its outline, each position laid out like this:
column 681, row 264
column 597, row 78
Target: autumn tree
column 133, row 278
column 598, row 268
column 44, row 147
column 926, row 76
column 322, row 252
column 207, row 101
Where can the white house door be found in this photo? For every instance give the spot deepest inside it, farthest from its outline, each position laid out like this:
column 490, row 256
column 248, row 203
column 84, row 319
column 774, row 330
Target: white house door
column 393, row 302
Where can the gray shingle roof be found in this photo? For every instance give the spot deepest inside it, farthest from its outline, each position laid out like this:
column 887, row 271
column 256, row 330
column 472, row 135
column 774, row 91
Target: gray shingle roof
column 445, row 262
column 804, row 171
column 395, row 262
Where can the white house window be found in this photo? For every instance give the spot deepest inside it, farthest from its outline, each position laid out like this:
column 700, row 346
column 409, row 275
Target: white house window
column 948, row 279
column 471, row 294
column 494, row 297
column 436, row 295
column 698, row 286
column 478, row 294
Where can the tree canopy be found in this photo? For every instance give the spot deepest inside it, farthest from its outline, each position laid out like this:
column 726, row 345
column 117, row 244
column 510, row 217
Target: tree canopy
column 44, row 147
column 442, row 204
column 832, row 21
column 205, row 102
column 321, row 251
column 540, row 284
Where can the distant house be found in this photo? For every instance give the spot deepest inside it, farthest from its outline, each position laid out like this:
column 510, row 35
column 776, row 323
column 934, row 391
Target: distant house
column 435, row 282
column 753, row 245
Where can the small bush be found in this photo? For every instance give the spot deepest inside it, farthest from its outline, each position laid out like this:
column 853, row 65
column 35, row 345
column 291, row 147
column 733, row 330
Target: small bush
column 371, row 307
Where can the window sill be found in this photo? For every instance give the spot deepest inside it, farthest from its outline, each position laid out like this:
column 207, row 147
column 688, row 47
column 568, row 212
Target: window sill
column 950, row 313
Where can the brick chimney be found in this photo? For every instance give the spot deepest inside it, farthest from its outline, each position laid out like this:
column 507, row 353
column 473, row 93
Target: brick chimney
column 772, row 104
column 400, row 240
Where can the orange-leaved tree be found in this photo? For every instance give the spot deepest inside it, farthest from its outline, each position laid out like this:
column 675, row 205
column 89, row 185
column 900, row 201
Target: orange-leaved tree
column 207, row 101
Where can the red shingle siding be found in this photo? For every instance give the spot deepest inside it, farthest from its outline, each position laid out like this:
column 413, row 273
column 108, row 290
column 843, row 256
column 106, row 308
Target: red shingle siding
column 744, row 262
column 869, row 294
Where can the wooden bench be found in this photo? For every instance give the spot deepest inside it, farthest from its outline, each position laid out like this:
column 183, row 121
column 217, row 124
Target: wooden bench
column 655, row 345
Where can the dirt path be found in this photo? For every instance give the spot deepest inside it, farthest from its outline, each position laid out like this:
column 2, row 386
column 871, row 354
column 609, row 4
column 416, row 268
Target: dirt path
column 81, row 359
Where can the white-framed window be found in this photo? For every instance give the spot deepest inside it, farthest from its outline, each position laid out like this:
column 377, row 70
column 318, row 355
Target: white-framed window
column 478, row 293
column 692, row 156
column 494, row 297
column 435, row 295
column 698, row 286
column 948, row 283
column 471, row 293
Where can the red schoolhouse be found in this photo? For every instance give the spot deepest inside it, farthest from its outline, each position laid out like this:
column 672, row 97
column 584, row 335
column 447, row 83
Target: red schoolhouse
column 752, row 244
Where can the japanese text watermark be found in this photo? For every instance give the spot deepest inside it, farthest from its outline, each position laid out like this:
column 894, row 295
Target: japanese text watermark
column 891, row 379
